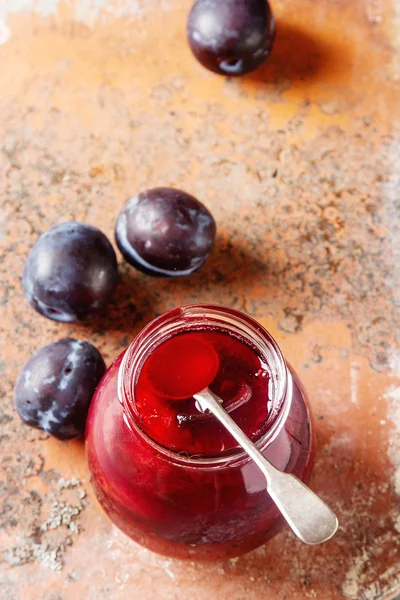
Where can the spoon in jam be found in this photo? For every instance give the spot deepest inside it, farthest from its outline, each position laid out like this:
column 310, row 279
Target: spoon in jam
column 309, row 517
column 188, row 365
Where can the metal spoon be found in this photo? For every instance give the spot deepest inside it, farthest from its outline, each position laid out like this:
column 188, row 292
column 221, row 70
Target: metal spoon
column 308, row 516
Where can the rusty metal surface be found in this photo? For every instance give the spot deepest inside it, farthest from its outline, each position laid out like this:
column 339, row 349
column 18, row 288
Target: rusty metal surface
column 300, row 165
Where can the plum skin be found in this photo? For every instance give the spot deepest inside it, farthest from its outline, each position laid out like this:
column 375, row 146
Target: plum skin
column 231, row 37
column 165, row 232
column 70, row 272
column 54, row 389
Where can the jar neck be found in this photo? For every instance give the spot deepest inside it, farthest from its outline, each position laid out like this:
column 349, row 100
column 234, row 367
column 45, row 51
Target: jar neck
column 211, row 317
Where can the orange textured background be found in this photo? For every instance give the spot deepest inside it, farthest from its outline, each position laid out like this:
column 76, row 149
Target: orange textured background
column 300, row 165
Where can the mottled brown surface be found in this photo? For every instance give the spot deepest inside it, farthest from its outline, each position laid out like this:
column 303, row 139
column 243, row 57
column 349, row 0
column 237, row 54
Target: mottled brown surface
column 300, row 164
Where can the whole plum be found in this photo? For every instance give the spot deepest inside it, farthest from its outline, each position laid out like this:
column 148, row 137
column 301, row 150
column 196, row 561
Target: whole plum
column 55, row 388
column 165, row 232
column 231, row 37
column 70, row 272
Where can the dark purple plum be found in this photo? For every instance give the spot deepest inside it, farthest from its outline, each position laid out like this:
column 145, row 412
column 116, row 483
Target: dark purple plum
column 70, row 272
column 165, row 232
column 55, row 388
column 231, row 37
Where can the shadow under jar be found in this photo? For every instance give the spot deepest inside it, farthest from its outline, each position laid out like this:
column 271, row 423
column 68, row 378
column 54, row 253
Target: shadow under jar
column 172, row 478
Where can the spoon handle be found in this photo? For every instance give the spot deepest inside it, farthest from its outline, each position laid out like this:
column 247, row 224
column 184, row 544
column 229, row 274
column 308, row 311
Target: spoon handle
column 308, row 516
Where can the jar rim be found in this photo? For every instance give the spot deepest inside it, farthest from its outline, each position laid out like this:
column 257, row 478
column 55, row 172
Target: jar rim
column 174, row 321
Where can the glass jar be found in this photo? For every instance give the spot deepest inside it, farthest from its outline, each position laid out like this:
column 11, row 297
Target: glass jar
column 187, row 505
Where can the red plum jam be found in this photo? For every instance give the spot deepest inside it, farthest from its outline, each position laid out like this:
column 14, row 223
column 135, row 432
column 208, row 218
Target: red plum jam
column 172, row 478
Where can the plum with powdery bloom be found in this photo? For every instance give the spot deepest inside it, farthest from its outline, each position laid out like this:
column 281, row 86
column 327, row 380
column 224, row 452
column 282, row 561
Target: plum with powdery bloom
column 165, row 232
column 231, row 37
column 55, row 388
column 70, row 273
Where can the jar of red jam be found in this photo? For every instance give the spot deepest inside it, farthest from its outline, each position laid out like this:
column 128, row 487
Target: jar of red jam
column 170, row 476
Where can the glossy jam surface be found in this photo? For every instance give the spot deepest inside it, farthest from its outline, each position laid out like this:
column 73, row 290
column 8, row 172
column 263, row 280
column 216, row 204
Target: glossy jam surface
column 170, row 477
column 164, row 406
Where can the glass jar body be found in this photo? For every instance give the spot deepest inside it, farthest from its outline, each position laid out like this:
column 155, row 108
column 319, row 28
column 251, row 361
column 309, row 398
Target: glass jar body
column 185, row 507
